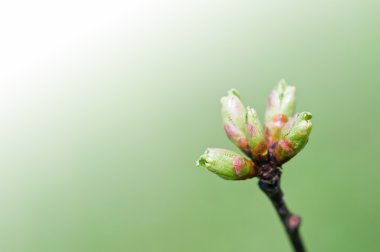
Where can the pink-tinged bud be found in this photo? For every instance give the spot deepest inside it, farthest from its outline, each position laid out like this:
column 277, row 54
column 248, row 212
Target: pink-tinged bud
column 234, row 118
column 282, row 100
column 236, row 137
column 233, row 110
column 280, row 106
column 274, row 128
column 227, row 164
column 294, row 137
column 255, row 136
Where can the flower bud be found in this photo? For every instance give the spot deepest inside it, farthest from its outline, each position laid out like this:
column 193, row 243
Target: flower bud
column 282, row 100
column 237, row 137
column 234, row 116
column 254, row 133
column 274, row 128
column 227, row 164
column 280, row 106
column 293, row 137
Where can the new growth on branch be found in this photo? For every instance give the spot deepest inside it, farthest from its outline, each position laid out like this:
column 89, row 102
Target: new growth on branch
column 286, row 134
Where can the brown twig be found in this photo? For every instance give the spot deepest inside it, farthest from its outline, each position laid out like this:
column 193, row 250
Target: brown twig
column 269, row 183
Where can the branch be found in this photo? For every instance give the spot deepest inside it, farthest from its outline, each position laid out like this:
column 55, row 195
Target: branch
column 269, row 183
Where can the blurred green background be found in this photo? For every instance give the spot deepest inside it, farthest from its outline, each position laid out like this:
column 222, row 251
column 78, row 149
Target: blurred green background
column 105, row 106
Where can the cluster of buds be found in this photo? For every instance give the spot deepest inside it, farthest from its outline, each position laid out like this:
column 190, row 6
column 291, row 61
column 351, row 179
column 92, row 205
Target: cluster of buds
column 285, row 134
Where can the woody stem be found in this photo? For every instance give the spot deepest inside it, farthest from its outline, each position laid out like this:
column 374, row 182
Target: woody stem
column 269, row 183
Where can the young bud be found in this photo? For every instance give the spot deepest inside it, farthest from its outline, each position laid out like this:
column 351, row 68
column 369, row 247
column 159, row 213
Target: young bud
column 282, row 100
column 237, row 137
column 254, row 133
column 274, row 128
column 293, row 137
column 233, row 110
column 227, row 164
column 234, row 116
column 280, row 106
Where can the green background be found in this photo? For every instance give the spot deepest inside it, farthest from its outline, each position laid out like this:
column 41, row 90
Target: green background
column 105, row 107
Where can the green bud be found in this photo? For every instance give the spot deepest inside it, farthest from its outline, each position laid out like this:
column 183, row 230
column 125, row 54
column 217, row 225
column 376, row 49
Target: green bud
column 254, row 133
column 274, row 128
column 233, row 110
column 294, row 137
column 282, row 100
column 234, row 118
column 227, row 164
column 280, row 106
